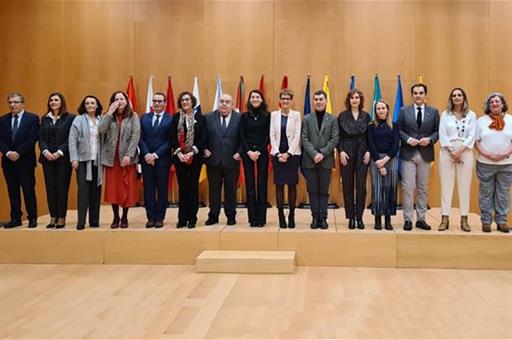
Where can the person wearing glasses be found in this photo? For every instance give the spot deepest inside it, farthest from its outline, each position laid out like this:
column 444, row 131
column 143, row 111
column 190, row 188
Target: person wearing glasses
column 53, row 142
column 19, row 130
column 120, row 130
column 155, row 149
column 222, row 159
column 188, row 141
column 457, row 130
column 285, row 128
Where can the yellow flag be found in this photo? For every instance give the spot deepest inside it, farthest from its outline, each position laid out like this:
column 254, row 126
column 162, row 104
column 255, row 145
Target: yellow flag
column 202, row 174
column 325, row 88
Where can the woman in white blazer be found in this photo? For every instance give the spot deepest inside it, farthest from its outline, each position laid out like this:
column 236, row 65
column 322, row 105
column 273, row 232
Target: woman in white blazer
column 285, row 127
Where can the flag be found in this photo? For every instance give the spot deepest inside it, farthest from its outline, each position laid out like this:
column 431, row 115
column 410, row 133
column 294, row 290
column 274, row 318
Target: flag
column 262, row 86
column 240, row 103
column 325, row 88
column 352, row 82
column 195, row 92
column 307, row 98
column 420, row 79
column 131, row 94
column 149, row 95
column 284, row 82
column 399, row 99
column 218, row 94
column 170, row 107
column 376, row 94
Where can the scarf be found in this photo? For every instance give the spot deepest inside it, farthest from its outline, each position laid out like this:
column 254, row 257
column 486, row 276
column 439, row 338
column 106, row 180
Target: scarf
column 498, row 123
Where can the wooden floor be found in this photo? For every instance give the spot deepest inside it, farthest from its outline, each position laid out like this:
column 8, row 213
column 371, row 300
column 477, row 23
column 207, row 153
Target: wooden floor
column 337, row 246
column 175, row 302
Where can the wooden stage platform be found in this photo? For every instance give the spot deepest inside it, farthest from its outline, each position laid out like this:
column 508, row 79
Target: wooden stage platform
column 336, row 246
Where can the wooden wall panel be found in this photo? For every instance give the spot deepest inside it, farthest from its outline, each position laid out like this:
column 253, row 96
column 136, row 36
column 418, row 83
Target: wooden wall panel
column 81, row 47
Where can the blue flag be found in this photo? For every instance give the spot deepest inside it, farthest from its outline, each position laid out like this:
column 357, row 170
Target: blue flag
column 307, row 99
column 352, row 82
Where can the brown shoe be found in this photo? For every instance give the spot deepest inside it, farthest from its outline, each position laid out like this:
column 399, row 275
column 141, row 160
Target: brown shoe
column 115, row 224
column 124, row 224
column 503, row 227
column 464, row 225
column 445, row 223
column 486, row 227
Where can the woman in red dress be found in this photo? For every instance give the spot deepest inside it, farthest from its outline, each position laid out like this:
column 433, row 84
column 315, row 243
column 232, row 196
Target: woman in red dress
column 120, row 129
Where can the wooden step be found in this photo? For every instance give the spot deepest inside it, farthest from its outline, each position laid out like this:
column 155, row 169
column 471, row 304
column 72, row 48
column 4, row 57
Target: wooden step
column 245, row 261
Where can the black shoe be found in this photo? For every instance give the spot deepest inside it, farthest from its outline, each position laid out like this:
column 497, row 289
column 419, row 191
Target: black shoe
column 211, row 221
column 94, row 225
column 58, row 226
column 408, row 225
column 314, row 224
column 282, row 219
column 260, row 225
column 12, row 224
column 80, row 227
column 159, row 224
column 351, row 223
column 323, row 224
column 359, row 223
column 378, row 223
column 422, row 225
column 150, row 224
column 291, row 219
column 231, row 221
column 387, row 223
column 50, row 225
column 191, row 225
column 32, row 223
column 182, row 224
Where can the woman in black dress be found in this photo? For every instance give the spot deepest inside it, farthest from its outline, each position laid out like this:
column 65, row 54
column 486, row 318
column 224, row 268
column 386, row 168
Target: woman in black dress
column 53, row 142
column 254, row 136
column 285, row 134
column 354, row 156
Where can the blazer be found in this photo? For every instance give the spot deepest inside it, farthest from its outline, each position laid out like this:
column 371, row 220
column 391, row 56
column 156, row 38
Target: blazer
column 25, row 141
column 409, row 128
column 129, row 137
column 319, row 141
column 222, row 145
column 78, row 142
column 156, row 140
column 55, row 137
column 293, row 132
column 200, row 137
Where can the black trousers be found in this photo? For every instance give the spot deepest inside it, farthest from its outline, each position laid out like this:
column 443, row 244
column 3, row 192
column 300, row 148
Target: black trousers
column 156, row 193
column 219, row 176
column 354, row 181
column 88, row 196
column 57, row 177
column 318, row 180
column 21, row 177
column 256, row 177
column 188, row 182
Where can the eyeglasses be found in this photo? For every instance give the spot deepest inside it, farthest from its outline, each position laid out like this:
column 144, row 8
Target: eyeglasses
column 14, row 102
column 285, row 98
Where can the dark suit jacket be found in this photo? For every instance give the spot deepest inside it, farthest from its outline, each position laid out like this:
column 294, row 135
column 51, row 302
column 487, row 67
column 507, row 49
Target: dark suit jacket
column 319, row 141
column 53, row 138
column 223, row 145
column 409, row 128
column 158, row 141
column 200, row 136
column 26, row 138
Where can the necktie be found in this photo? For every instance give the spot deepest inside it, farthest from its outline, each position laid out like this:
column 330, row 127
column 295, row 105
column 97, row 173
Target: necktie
column 224, row 125
column 157, row 122
column 15, row 127
column 418, row 118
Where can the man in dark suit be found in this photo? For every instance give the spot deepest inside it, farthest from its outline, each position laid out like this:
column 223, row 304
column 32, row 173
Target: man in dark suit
column 154, row 145
column 19, row 132
column 320, row 134
column 419, row 126
column 222, row 159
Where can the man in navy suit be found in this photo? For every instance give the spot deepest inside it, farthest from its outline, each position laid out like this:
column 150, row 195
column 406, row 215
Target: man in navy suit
column 419, row 131
column 154, row 144
column 19, row 132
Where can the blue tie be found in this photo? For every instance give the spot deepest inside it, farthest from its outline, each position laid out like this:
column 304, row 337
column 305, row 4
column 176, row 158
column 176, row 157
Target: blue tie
column 156, row 124
column 224, row 125
column 15, row 127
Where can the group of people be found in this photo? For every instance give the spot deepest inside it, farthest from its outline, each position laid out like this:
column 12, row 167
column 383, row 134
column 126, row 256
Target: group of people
column 105, row 148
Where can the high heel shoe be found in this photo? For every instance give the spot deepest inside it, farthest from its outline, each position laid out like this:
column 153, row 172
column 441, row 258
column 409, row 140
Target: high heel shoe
column 52, row 223
column 291, row 219
column 351, row 223
column 282, row 219
column 378, row 222
column 387, row 223
column 115, row 223
column 61, row 223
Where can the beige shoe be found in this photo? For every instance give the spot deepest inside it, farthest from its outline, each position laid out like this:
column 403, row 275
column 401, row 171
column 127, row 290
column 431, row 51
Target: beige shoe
column 503, row 227
column 464, row 225
column 486, row 227
column 445, row 223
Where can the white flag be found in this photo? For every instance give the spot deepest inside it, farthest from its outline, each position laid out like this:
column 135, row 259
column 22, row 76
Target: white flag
column 195, row 92
column 149, row 96
column 218, row 94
